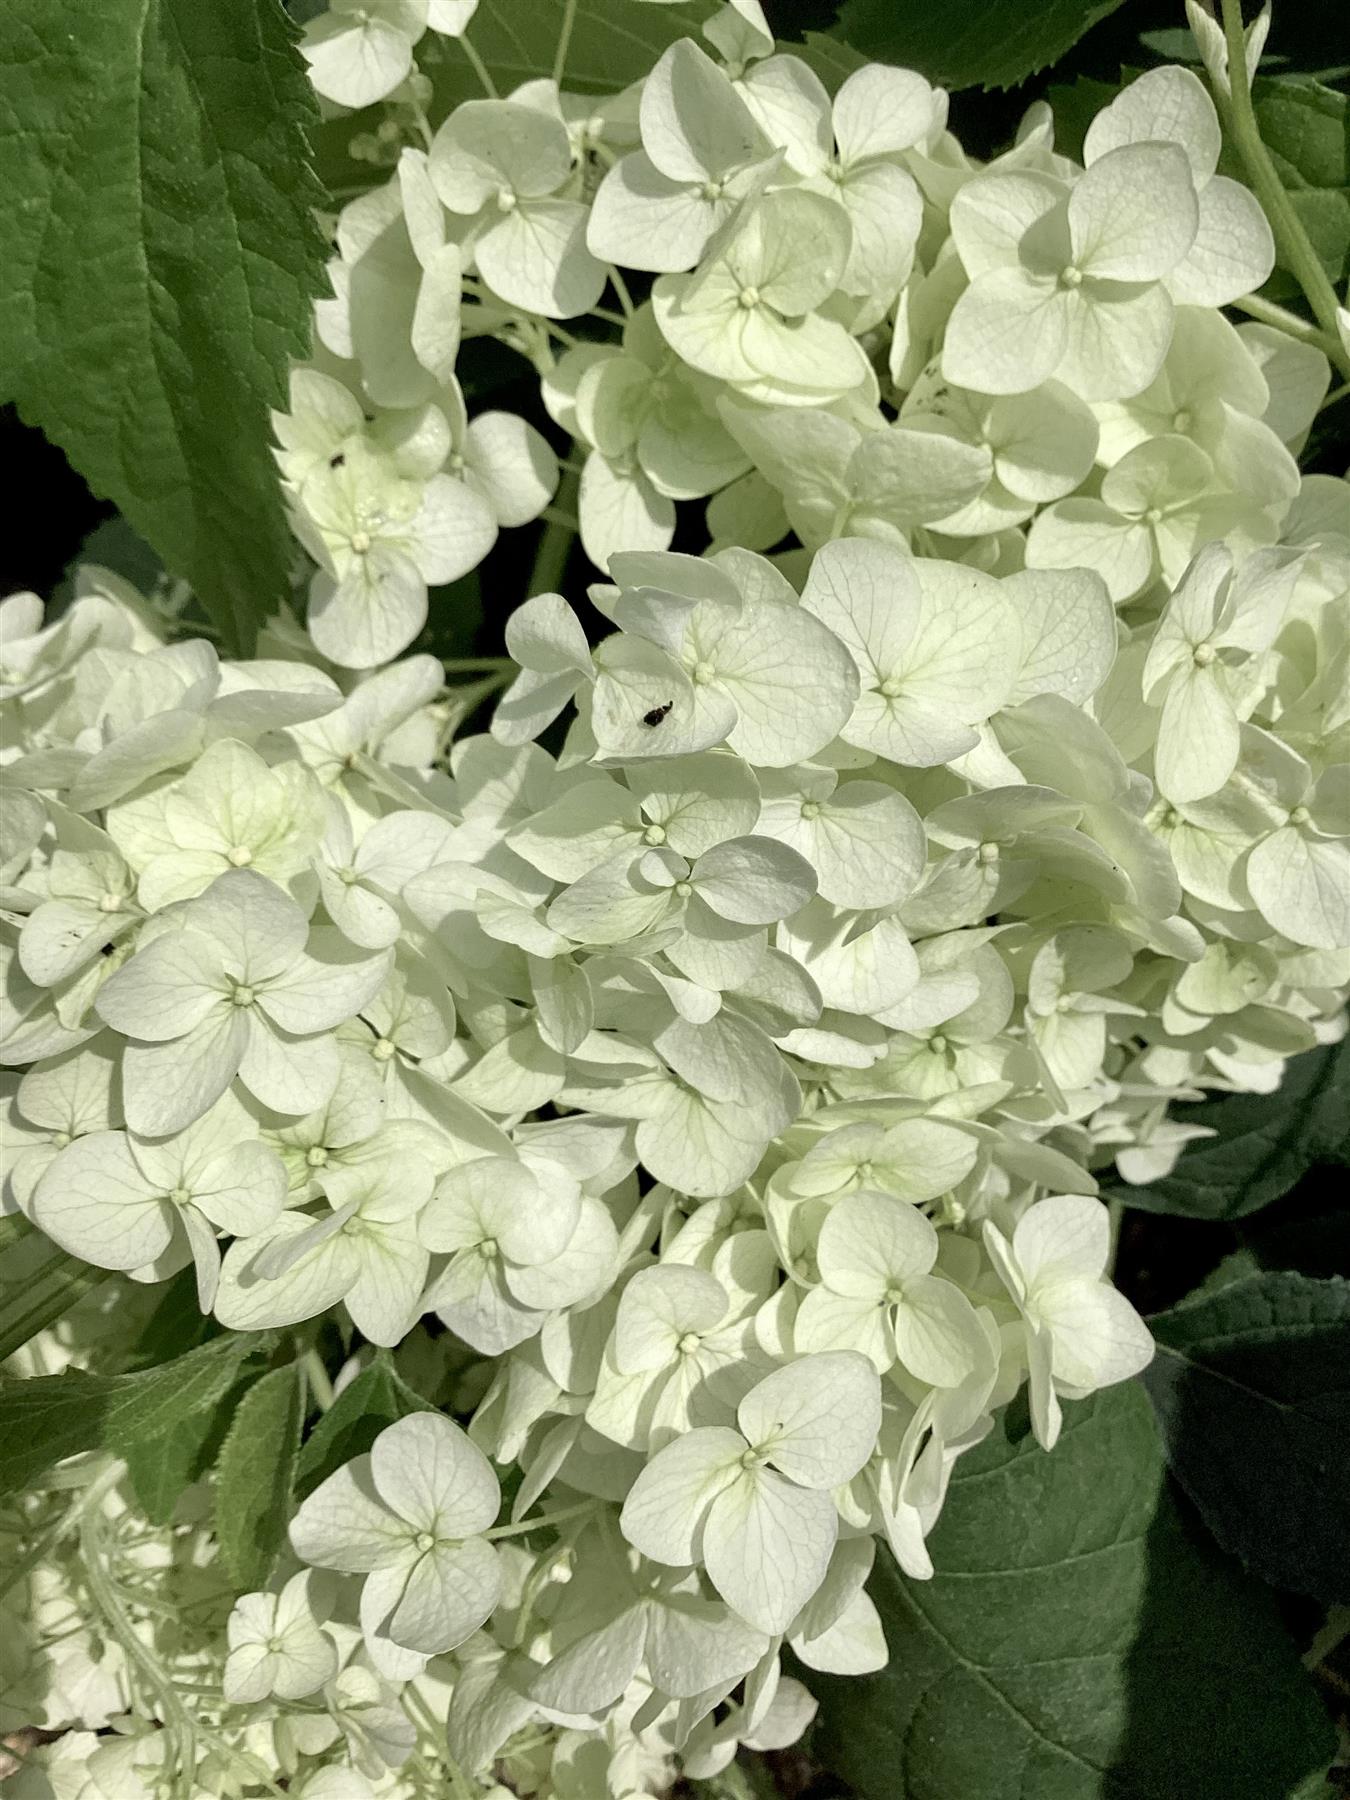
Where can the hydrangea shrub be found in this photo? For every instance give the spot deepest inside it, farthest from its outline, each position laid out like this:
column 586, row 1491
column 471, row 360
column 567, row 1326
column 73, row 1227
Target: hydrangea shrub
column 653, row 1096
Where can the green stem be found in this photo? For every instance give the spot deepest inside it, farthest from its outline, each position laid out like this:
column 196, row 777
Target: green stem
column 317, row 1377
column 1296, row 252
column 564, row 41
column 555, row 544
column 91, row 1495
column 1116, row 1213
column 543, row 1520
column 1336, row 395
column 480, row 69
column 1282, row 319
column 181, row 1730
column 620, row 286
column 58, row 1284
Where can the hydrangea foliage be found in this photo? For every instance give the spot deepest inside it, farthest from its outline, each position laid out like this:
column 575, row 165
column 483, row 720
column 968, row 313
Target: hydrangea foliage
column 710, row 1056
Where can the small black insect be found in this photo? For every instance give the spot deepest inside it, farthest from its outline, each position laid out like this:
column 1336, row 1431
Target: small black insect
column 337, row 459
column 655, row 716
column 107, row 950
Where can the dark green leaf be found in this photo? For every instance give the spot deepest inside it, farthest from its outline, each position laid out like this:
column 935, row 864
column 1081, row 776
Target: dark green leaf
column 162, row 1468
column 1264, row 1142
column 1081, row 1640
column 970, row 43
column 378, row 1397
column 255, row 1476
column 1314, row 1239
column 158, row 256
column 1251, row 1389
column 1306, row 128
column 36, row 1293
column 53, row 1416
column 177, row 1324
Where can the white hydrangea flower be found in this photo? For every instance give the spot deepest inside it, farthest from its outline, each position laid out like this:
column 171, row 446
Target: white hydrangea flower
column 701, row 154
column 277, row 1645
column 1067, row 281
column 878, row 1294
column 121, row 1201
column 233, row 991
column 505, row 167
column 360, row 50
column 1080, row 1333
column 936, row 645
column 1203, row 664
column 365, row 1253
column 409, row 1517
column 1233, row 252
column 752, row 1505
column 380, row 540
column 749, row 314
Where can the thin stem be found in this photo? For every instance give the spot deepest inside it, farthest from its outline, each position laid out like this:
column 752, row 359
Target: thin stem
column 464, row 665
column 1296, row 251
column 554, row 515
column 480, row 69
column 466, row 699
column 564, row 41
column 1115, row 1215
column 555, row 544
column 317, row 1377
column 543, row 1519
column 182, row 1730
column 620, row 286
column 1336, row 395
column 93, row 1494
column 422, row 123
column 1282, row 319
column 608, row 314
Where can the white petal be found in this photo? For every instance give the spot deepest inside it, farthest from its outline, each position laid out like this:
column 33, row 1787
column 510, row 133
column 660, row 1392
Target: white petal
column 767, row 1546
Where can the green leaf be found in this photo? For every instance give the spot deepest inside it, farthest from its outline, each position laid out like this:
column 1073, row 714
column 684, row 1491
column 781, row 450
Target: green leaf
column 1264, row 1142
column 970, row 43
column 158, row 256
column 1250, row 1389
column 378, row 1397
column 177, row 1324
column 53, row 1416
column 162, row 1468
column 1080, row 1640
column 35, row 1297
column 255, row 1476
column 1306, row 128
column 609, row 47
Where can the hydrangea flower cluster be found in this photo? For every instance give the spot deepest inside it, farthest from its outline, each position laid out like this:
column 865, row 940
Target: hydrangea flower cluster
column 726, row 1080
